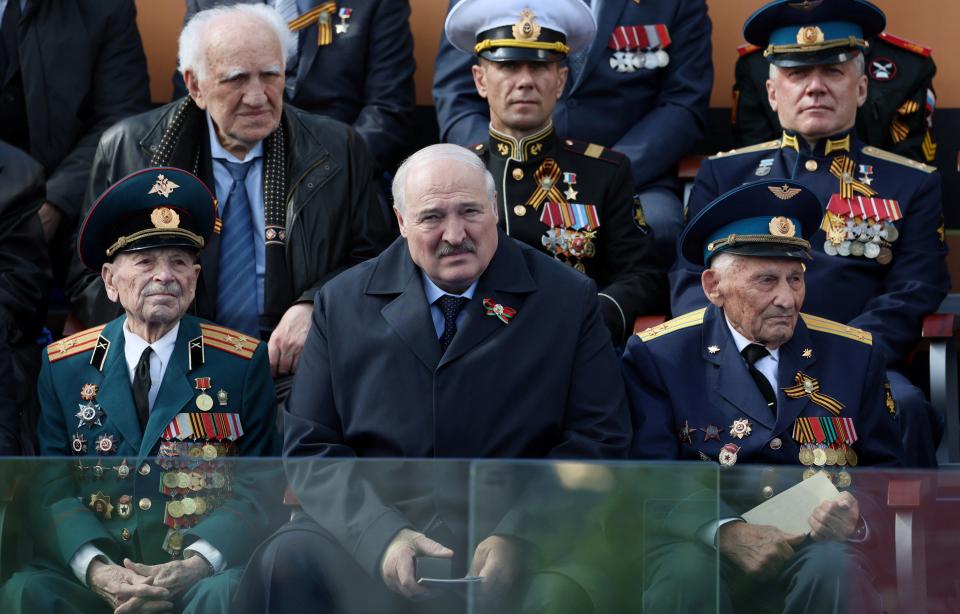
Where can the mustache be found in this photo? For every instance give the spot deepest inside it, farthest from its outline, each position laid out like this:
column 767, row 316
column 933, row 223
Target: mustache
column 467, row 246
column 158, row 288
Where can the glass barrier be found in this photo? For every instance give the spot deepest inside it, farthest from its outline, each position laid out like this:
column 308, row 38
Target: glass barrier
column 201, row 532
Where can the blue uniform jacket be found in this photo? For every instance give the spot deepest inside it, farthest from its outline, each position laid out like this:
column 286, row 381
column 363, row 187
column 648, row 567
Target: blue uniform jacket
column 889, row 300
column 654, row 116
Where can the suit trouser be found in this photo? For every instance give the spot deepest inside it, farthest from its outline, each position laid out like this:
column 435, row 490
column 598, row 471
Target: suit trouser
column 822, row 577
column 44, row 589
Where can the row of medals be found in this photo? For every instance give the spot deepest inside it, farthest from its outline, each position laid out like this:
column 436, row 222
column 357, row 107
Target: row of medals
column 629, row 61
column 815, row 457
column 862, row 238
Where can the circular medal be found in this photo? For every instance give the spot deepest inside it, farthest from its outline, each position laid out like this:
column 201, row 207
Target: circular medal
column 809, row 472
column 196, row 482
column 170, row 480
column 806, row 456
column 183, row 480
column 175, row 509
column 209, row 452
column 204, row 402
column 843, row 480
column 841, row 456
column 856, row 249
column 829, row 248
column 831, row 456
column 851, row 457
column 885, row 255
column 649, row 60
column 520, row 210
column 189, row 506
column 728, row 455
column 889, row 232
column 819, row 457
column 201, row 506
column 870, row 250
column 579, row 266
column 663, row 58
column 176, row 541
column 843, row 249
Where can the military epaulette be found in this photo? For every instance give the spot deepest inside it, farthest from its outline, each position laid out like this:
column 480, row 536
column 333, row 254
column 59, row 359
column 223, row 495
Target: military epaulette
column 694, row 318
column 905, row 44
column 824, row 325
column 747, row 49
column 592, row 150
column 74, row 344
column 870, row 150
column 479, row 148
column 230, row 341
column 774, row 144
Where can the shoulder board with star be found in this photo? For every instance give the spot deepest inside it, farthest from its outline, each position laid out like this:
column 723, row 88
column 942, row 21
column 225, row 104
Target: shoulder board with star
column 747, row 49
column 76, row 343
column 824, row 325
column 774, row 144
column 906, row 44
column 228, row 340
column 592, row 150
column 694, row 318
column 479, row 149
column 870, row 150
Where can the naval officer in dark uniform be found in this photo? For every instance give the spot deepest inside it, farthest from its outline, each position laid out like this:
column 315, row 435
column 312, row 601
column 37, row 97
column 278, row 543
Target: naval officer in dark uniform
column 750, row 379
column 573, row 200
column 149, row 515
column 879, row 254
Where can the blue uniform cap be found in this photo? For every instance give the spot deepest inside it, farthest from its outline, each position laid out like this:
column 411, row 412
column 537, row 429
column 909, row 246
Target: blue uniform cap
column 154, row 207
column 808, row 32
column 520, row 30
column 772, row 219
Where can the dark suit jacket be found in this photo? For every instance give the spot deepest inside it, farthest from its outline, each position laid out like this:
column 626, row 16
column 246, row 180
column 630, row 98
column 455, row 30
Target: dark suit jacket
column 84, row 69
column 364, row 78
column 372, row 382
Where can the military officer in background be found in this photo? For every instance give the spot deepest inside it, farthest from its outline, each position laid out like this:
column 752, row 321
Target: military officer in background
column 642, row 87
column 573, row 200
column 750, row 379
column 879, row 254
column 118, row 528
column 897, row 115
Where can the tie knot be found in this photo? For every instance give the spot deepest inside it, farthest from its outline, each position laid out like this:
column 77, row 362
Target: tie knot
column 451, row 306
column 754, row 352
column 237, row 170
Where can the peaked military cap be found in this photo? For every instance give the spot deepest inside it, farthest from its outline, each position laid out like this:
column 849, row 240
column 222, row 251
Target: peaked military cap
column 520, row 30
column 808, row 32
column 772, row 219
column 153, row 207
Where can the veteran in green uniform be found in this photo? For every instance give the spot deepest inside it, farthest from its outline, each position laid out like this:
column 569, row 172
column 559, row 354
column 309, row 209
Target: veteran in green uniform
column 150, row 514
column 573, row 200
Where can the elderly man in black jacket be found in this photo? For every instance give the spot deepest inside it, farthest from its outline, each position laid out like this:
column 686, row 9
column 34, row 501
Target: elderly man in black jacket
column 292, row 188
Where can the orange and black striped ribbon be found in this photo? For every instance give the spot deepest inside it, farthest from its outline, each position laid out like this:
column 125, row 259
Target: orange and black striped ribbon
column 547, row 177
column 800, row 390
column 842, row 168
column 320, row 15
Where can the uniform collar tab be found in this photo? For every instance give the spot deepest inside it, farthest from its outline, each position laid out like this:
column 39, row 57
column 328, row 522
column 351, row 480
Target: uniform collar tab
column 527, row 148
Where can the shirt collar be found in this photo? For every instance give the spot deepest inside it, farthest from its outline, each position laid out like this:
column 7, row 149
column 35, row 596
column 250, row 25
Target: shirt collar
column 527, row 148
column 433, row 292
column 743, row 342
column 133, row 345
column 840, row 142
column 218, row 151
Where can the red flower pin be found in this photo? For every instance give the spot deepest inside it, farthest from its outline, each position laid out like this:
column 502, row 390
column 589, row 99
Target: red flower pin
column 496, row 309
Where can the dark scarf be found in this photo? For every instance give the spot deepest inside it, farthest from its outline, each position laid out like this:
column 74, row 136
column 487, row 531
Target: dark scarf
column 183, row 143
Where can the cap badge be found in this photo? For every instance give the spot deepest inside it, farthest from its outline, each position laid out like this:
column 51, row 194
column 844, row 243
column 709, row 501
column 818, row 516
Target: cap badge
column 784, row 192
column 526, row 29
column 782, row 227
column 163, row 186
column 809, row 35
column 806, row 5
column 164, row 217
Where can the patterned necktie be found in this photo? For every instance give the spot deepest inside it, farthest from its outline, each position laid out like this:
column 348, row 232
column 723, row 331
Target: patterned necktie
column 237, row 280
column 141, row 387
column 752, row 353
column 450, row 307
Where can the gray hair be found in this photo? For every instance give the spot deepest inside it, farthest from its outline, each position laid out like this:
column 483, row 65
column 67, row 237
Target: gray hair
column 433, row 153
column 858, row 61
column 192, row 50
column 723, row 262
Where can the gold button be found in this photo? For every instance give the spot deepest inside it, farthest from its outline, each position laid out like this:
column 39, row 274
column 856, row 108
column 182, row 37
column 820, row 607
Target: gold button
column 517, row 174
column 810, row 165
column 767, row 492
column 776, row 443
column 520, row 210
column 144, row 469
column 145, row 504
column 125, row 534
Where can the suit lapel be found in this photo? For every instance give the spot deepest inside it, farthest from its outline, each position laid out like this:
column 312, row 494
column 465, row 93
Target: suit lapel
column 175, row 389
column 115, row 395
column 609, row 15
column 730, row 379
column 792, row 361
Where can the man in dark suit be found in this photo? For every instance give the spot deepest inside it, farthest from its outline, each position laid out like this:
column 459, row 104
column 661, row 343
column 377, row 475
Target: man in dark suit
column 881, row 240
column 642, row 88
column 24, row 281
column 118, row 527
column 750, row 379
column 354, row 63
column 450, row 344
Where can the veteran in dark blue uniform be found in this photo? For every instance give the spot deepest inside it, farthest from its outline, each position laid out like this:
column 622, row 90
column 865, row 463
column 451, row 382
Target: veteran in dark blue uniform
column 574, row 200
column 116, row 526
column 642, row 88
column 750, row 379
column 879, row 254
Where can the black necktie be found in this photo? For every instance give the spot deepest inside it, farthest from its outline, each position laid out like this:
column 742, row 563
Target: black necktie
column 752, row 353
column 450, row 307
column 141, row 387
